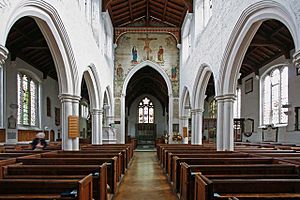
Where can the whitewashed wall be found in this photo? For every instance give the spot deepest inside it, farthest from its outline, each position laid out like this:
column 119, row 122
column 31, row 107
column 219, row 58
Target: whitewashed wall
column 48, row 88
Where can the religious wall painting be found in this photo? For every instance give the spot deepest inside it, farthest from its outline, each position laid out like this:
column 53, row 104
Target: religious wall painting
column 160, row 55
column 174, row 72
column 134, row 54
column 119, row 72
column 147, row 48
column 135, row 48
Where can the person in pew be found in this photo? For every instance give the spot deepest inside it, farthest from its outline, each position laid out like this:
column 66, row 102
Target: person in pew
column 39, row 142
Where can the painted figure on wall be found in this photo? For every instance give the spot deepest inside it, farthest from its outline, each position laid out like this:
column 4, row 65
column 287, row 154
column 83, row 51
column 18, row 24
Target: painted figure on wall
column 134, row 54
column 160, row 55
column 147, row 48
column 174, row 73
column 120, row 71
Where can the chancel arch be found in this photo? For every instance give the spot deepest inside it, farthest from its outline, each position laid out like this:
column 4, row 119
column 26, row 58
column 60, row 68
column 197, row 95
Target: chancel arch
column 147, row 78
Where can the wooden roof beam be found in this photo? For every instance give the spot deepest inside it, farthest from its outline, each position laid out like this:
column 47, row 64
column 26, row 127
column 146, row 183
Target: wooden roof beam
column 130, row 9
column 165, row 9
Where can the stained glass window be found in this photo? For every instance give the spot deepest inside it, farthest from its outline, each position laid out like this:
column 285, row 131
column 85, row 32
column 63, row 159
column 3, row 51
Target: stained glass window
column 275, row 95
column 146, row 111
column 27, row 100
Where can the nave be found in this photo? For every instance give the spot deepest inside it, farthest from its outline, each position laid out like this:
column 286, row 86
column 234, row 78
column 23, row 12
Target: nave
column 145, row 180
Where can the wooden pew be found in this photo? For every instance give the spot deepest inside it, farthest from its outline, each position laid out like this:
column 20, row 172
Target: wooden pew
column 119, row 162
column 176, row 172
column 99, row 173
column 201, row 155
column 207, row 189
column 187, row 178
column 47, row 188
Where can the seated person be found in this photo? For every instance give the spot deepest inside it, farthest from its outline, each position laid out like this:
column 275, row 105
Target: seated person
column 39, row 143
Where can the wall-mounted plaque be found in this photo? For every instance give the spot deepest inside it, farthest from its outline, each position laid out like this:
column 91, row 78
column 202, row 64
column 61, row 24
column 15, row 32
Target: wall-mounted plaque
column 73, row 122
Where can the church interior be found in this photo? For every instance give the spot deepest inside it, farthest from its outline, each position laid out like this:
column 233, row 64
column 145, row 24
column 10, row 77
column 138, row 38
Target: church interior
column 149, row 99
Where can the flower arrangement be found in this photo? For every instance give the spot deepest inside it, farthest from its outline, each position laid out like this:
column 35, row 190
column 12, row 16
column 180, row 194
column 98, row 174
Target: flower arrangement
column 177, row 137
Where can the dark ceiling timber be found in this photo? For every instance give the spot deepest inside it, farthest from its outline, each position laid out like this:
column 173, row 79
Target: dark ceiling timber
column 26, row 41
column 168, row 13
column 271, row 41
column 147, row 81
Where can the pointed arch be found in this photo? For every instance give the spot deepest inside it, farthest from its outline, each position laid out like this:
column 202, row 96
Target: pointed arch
column 167, row 80
column 243, row 33
column 52, row 27
column 153, row 65
column 184, row 101
column 200, row 86
column 109, row 96
column 93, row 86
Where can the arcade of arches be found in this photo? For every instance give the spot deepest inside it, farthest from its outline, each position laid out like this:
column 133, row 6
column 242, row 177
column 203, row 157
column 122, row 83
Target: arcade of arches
column 156, row 71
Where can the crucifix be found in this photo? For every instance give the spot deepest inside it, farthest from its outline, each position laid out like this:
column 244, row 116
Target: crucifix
column 147, row 48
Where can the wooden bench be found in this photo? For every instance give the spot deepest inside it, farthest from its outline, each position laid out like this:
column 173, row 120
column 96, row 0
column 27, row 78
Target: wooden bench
column 176, row 172
column 99, row 173
column 187, row 178
column 201, row 155
column 207, row 189
column 118, row 161
column 80, row 189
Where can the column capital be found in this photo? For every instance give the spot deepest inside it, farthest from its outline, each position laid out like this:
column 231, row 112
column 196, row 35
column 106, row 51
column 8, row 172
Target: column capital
column 96, row 111
column 296, row 58
column 69, row 98
column 3, row 54
column 226, row 97
column 197, row 110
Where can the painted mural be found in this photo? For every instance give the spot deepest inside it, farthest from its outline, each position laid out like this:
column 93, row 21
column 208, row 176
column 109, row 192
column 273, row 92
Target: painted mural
column 134, row 48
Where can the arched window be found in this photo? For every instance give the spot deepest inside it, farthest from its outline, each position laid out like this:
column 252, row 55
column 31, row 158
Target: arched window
column 146, row 111
column 275, row 96
column 27, row 100
column 84, row 110
column 237, row 104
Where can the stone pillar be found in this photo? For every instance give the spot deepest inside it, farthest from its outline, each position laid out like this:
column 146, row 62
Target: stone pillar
column 69, row 106
column 193, row 140
column 198, row 115
column 170, row 129
column 123, row 116
column 3, row 56
column 225, row 137
column 97, row 115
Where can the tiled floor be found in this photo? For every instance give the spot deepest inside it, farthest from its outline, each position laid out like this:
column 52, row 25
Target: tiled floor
column 145, row 180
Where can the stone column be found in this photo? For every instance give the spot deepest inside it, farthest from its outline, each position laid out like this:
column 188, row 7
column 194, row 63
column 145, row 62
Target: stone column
column 69, row 106
column 97, row 115
column 198, row 113
column 123, row 116
column 225, row 138
column 170, row 129
column 194, row 135
column 3, row 56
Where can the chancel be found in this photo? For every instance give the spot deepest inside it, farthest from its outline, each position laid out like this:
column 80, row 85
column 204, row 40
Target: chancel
column 150, row 99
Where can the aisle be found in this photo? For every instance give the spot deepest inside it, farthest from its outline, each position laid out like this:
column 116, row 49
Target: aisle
column 145, row 180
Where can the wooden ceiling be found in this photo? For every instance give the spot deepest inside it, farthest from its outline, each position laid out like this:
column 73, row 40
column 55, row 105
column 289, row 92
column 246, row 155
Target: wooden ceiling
column 271, row 41
column 147, row 12
column 26, row 41
column 147, row 81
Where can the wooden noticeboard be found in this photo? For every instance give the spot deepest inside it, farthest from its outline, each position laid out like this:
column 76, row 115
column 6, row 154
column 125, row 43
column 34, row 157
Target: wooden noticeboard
column 185, row 131
column 73, row 127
